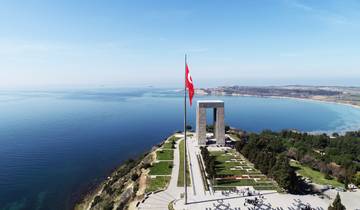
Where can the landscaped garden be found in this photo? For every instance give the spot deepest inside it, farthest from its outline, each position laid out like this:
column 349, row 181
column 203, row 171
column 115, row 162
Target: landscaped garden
column 157, row 183
column 233, row 170
column 160, row 171
column 166, row 154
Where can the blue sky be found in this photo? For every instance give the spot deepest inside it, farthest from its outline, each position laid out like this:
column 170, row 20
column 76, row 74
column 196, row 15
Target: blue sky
column 138, row 43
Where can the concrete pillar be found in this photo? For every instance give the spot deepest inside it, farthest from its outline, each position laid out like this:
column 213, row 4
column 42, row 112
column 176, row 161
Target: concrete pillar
column 220, row 126
column 214, row 123
column 201, row 125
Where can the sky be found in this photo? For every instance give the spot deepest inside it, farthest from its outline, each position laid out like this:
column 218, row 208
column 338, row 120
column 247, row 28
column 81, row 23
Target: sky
column 105, row 43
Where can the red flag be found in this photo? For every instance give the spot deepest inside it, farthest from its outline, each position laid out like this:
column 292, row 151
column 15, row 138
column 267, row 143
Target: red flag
column 189, row 84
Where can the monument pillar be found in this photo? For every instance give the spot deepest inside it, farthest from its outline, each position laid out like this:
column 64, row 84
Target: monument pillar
column 215, row 121
column 219, row 125
column 201, row 125
column 219, row 129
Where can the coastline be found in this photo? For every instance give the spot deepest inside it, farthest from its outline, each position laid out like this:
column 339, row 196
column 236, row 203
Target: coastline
column 88, row 198
column 287, row 97
column 316, row 100
column 126, row 169
column 120, row 176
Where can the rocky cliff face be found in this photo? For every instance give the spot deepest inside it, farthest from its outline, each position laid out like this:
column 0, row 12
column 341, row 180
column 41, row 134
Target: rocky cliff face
column 120, row 189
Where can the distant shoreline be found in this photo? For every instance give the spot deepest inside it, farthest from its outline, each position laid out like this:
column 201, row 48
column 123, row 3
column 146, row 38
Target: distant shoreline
column 287, row 97
column 332, row 94
column 316, row 100
column 300, row 99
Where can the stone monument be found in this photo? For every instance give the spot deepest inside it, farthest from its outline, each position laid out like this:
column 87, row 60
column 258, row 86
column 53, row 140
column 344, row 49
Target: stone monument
column 219, row 125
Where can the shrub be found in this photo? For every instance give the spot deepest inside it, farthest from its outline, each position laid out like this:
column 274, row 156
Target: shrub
column 109, row 206
column 146, row 165
column 134, row 177
column 97, row 200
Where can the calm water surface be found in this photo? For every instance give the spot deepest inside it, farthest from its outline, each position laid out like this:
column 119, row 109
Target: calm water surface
column 53, row 145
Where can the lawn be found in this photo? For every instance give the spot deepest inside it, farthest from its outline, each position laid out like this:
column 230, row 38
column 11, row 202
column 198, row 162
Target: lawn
column 180, row 182
column 161, row 168
column 315, row 176
column 167, row 145
column 158, row 183
column 165, row 154
column 173, row 138
column 224, row 168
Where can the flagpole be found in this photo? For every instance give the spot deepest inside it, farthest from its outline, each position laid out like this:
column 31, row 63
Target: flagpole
column 185, row 153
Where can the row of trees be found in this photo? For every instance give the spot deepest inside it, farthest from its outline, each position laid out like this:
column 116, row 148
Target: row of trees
column 336, row 156
column 209, row 162
column 268, row 155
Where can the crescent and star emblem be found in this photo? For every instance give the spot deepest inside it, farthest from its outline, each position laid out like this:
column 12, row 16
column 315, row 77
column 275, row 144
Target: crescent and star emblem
column 189, row 78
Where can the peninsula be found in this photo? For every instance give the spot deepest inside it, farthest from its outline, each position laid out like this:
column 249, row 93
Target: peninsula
column 337, row 94
column 274, row 169
column 228, row 168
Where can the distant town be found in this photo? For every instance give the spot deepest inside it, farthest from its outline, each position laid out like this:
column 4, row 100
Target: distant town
column 338, row 94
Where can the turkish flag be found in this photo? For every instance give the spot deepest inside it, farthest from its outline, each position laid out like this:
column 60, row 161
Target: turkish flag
column 189, row 84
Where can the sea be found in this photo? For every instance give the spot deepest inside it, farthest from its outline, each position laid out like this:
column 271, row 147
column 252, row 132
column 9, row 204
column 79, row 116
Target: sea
column 56, row 145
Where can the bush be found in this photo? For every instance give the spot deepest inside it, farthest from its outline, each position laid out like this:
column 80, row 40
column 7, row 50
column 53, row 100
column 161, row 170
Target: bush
column 109, row 206
column 135, row 189
column 134, row 177
column 97, row 200
column 146, row 165
column 337, row 205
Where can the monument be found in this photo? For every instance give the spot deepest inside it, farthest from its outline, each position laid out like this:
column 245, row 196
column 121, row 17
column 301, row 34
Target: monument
column 219, row 126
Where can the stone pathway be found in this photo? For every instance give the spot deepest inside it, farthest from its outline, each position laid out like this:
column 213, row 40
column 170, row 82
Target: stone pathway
column 162, row 199
column 198, row 189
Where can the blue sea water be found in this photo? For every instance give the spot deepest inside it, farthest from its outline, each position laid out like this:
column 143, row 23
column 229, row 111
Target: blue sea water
column 55, row 144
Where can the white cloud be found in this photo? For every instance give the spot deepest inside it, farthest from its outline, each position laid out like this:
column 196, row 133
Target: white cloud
column 322, row 14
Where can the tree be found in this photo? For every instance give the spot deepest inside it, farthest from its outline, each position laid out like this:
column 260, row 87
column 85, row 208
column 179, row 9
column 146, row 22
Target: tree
column 173, row 144
column 209, row 162
column 134, row 177
column 227, row 128
column 356, row 179
column 284, row 174
column 337, row 205
column 239, row 145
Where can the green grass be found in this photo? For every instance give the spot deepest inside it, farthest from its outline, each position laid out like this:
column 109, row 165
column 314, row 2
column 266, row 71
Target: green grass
column 180, row 182
column 316, row 176
column 158, row 183
column 222, row 171
column 167, row 145
column 173, row 138
column 165, row 154
column 270, row 187
column 222, row 188
column 224, row 168
column 161, row 168
column 234, row 137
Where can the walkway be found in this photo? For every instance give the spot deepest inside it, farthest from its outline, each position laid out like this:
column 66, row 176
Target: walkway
column 197, row 190
column 162, row 199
